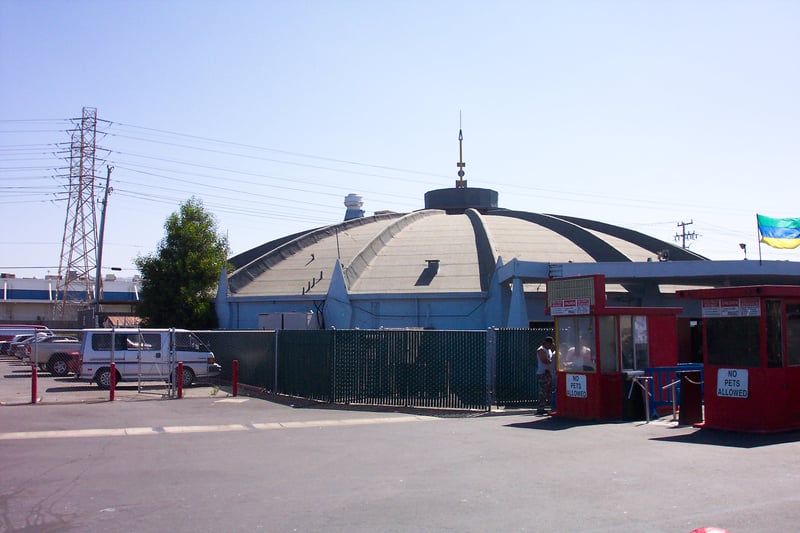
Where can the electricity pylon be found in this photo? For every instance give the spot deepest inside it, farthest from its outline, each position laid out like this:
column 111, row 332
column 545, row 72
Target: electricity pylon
column 79, row 245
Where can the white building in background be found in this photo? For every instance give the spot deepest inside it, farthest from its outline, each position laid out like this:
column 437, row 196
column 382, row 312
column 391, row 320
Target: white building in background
column 32, row 301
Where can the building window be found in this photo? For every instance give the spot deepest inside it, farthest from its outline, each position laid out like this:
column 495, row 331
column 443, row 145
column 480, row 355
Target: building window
column 576, row 349
column 634, row 342
column 609, row 346
column 793, row 334
column 733, row 341
column 774, row 334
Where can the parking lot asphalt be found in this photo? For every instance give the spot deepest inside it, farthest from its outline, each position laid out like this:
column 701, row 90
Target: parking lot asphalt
column 76, row 461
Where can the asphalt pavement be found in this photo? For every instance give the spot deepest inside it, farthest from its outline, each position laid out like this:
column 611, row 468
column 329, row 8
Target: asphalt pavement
column 75, row 461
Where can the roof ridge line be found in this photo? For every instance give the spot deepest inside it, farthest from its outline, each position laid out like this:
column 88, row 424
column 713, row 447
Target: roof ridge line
column 485, row 248
column 369, row 251
column 256, row 267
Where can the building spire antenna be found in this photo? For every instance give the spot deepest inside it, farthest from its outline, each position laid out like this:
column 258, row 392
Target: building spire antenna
column 461, row 183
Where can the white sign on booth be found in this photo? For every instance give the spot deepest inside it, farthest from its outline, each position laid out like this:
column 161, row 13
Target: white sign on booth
column 570, row 306
column 576, row 386
column 732, row 382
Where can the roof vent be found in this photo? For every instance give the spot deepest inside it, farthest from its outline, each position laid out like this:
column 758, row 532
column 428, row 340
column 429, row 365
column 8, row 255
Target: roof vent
column 428, row 273
column 353, row 202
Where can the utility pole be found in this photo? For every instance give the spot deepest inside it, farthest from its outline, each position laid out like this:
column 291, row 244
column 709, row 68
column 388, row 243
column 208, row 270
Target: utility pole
column 683, row 236
column 98, row 278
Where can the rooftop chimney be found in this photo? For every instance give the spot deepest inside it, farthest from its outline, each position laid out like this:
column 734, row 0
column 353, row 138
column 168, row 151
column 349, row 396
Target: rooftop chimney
column 353, row 202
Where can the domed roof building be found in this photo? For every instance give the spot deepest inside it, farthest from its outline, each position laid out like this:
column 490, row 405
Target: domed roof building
column 462, row 262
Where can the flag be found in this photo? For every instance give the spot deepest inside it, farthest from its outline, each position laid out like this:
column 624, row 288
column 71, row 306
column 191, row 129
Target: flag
column 779, row 232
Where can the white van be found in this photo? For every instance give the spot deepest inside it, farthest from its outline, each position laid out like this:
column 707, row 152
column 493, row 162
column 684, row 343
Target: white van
column 146, row 354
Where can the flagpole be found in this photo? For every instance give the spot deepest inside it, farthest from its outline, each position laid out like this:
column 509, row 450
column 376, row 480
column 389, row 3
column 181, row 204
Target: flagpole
column 758, row 237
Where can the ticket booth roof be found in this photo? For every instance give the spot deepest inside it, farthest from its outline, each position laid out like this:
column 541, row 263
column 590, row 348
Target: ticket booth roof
column 766, row 291
column 649, row 311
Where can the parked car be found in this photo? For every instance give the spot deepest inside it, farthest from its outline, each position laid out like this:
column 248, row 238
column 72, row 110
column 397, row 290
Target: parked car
column 53, row 353
column 16, row 345
column 9, row 331
column 13, row 340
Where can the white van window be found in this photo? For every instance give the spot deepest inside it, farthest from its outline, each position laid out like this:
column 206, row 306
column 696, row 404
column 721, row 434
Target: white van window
column 126, row 341
column 187, row 342
column 145, row 341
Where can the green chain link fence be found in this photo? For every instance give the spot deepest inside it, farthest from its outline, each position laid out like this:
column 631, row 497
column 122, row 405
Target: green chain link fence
column 411, row 368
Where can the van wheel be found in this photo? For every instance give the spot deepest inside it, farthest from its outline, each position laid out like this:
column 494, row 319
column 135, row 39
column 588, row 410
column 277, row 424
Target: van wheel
column 188, row 377
column 58, row 366
column 103, row 378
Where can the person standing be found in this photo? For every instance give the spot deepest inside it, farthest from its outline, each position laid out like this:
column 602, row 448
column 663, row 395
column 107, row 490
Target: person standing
column 544, row 372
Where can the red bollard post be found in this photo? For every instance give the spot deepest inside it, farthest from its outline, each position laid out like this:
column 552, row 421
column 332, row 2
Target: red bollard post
column 179, row 373
column 34, row 380
column 235, row 378
column 113, row 382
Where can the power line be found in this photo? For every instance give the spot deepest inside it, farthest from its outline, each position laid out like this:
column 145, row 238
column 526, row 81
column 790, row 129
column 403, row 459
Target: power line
column 249, row 183
column 119, row 155
column 124, row 158
column 285, row 152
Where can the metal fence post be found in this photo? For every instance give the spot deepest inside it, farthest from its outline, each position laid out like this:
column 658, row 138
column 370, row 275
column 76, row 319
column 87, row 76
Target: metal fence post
column 235, row 378
column 491, row 365
column 112, row 377
column 275, row 387
column 332, row 367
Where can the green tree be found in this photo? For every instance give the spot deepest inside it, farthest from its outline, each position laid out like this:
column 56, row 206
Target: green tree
column 179, row 280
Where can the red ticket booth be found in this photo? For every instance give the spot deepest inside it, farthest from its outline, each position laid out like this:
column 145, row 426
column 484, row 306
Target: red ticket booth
column 751, row 357
column 602, row 352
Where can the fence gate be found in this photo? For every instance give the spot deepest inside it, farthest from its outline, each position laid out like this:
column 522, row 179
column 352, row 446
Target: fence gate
column 156, row 368
column 515, row 375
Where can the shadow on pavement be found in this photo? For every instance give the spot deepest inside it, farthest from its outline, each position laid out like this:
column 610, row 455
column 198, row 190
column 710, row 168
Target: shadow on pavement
column 18, row 374
column 715, row 437
column 556, row 423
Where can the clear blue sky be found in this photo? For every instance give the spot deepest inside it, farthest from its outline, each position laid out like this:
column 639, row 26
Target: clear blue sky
column 642, row 114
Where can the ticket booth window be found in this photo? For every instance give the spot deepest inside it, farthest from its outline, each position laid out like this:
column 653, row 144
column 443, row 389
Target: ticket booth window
column 733, row 341
column 793, row 334
column 634, row 343
column 576, row 347
column 609, row 347
column 774, row 334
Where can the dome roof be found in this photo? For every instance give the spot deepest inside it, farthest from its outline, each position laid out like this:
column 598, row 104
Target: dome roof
column 451, row 246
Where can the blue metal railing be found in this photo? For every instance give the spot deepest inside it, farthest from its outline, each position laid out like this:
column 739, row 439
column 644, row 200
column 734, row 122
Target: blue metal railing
column 661, row 394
